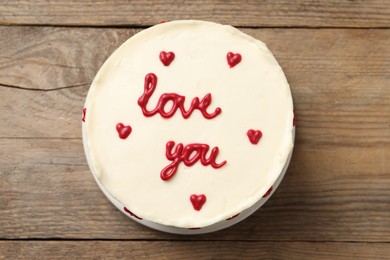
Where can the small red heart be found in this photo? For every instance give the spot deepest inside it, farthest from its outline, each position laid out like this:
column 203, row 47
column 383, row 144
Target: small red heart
column 267, row 193
column 84, row 111
column 198, row 201
column 167, row 57
column 233, row 59
column 254, row 135
column 123, row 131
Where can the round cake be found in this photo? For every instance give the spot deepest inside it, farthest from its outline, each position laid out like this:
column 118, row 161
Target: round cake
column 189, row 126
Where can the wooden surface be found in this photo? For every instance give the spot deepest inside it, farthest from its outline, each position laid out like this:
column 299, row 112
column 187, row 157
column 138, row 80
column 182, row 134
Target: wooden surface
column 334, row 202
column 280, row 13
column 191, row 250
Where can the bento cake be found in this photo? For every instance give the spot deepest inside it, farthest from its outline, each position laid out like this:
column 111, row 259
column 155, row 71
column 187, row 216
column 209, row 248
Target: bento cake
column 188, row 123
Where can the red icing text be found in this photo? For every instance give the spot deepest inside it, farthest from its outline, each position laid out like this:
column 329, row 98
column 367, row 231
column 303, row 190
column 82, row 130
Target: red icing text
column 177, row 100
column 189, row 155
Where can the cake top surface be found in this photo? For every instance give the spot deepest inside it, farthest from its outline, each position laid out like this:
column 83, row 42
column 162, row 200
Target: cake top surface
column 188, row 123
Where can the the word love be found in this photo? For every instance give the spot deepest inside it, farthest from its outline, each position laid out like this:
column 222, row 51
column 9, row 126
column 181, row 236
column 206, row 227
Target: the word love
column 176, row 100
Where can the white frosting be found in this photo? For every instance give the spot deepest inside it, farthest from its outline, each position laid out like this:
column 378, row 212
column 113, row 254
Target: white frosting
column 252, row 95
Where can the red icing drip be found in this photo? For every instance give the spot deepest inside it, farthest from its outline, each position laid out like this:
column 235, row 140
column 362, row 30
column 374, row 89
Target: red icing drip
column 267, row 193
column 178, row 102
column 163, row 21
column 233, row 217
column 254, row 136
column 233, row 59
column 295, row 119
column 123, row 131
column 167, row 57
column 131, row 213
column 84, row 111
column 189, row 155
column 198, row 201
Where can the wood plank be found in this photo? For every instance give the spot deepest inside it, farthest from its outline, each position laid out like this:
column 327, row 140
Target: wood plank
column 55, row 58
column 281, row 13
column 336, row 188
column 330, row 193
column 339, row 79
column 57, row 114
column 194, row 250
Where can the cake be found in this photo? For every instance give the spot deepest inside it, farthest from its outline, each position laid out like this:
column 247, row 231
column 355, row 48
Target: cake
column 188, row 126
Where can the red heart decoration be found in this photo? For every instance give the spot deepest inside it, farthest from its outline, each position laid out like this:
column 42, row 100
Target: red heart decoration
column 84, row 111
column 198, row 201
column 167, row 57
column 233, row 59
column 254, row 135
column 123, row 131
column 267, row 193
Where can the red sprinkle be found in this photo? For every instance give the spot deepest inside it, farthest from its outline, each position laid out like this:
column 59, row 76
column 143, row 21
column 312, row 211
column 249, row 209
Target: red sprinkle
column 131, row 213
column 267, row 193
column 84, row 111
column 233, row 217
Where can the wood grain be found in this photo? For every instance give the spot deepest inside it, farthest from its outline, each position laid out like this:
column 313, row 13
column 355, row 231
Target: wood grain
column 339, row 79
column 334, row 202
column 330, row 193
column 54, row 58
column 280, row 13
column 335, row 190
column 190, row 250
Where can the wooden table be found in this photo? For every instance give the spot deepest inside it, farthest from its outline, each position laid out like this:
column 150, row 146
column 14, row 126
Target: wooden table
column 335, row 199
